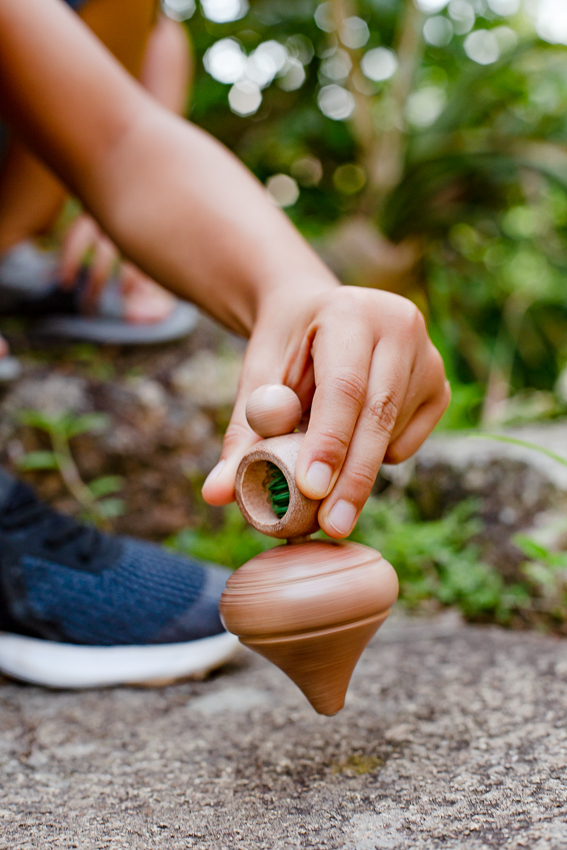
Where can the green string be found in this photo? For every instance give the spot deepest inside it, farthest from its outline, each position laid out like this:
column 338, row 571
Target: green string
column 276, row 484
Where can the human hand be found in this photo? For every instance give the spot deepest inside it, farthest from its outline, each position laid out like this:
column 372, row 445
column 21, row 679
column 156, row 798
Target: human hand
column 367, row 373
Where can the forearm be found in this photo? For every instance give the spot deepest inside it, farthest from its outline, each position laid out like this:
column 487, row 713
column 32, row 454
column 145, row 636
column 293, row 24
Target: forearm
column 222, row 241
column 174, row 200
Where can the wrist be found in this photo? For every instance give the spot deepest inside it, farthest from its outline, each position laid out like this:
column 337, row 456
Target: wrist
column 291, row 293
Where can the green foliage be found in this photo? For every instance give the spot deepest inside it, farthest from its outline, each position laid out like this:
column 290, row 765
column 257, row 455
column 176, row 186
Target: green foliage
column 232, row 544
column 466, row 160
column 65, row 424
column 436, row 559
column 546, row 574
column 38, row 460
column 95, row 498
column 514, row 441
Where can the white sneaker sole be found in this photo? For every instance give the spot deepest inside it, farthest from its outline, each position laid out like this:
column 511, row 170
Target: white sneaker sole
column 64, row 665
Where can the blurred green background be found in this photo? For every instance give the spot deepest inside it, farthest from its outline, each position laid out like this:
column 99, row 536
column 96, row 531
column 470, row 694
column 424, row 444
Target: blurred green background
column 421, row 147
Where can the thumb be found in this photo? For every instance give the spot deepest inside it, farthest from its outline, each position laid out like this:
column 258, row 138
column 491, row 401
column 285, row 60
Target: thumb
column 218, row 489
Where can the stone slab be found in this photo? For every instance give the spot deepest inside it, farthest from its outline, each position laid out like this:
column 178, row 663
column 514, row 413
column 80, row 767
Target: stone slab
column 452, row 737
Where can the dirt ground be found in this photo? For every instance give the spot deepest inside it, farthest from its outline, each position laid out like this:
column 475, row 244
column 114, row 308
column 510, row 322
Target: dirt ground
column 166, row 405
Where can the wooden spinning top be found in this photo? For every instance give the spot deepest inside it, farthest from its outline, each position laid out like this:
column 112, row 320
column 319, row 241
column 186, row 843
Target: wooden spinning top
column 310, row 608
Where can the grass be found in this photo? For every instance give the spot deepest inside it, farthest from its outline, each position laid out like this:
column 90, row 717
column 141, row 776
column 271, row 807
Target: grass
column 438, row 562
column 96, row 498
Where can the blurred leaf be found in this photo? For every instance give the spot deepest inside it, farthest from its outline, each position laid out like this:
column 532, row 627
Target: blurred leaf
column 38, row 460
column 105, row 485
column 110, row 508
column 231, row 545
column 87, row 423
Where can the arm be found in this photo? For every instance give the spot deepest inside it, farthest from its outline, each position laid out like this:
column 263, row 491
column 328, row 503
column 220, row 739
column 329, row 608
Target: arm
column 189, row 214
column 147, row 176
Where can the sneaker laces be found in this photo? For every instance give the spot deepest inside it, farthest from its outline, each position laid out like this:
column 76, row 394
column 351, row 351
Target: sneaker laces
column 23, row 510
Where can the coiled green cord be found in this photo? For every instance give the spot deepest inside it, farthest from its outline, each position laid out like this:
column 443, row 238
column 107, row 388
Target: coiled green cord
column 276, row 484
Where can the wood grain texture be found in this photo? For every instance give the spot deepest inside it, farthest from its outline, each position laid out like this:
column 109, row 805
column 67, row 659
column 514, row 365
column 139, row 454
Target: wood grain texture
column 311, row 608
column 252, row 492
column 273, row 410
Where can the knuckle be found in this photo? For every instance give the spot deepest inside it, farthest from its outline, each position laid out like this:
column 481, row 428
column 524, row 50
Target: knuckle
column 351, row 385
column 235, row 434
column 395, row 454
column 413, row 320
column 437, row 367
column 331, row 445
column 383, row 410
column 417, row 319
column 361, row 477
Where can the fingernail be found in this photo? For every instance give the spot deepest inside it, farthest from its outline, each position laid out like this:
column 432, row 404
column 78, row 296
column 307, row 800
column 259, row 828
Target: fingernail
column 215, row 472
column 318, row 478
column 342, row 516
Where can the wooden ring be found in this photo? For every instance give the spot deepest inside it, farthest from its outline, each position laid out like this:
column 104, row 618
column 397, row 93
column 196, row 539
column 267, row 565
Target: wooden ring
column 253, row 497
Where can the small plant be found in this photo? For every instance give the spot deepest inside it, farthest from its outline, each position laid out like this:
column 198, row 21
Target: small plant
column 546, row 574
column 436, row 559
column 234, row 543
column 95, row 498
column 514, row 441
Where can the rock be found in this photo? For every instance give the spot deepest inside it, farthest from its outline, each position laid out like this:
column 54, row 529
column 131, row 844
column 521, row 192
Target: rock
column 50, row 394
column 452, row 737
column 517, row 488
column 163, row 433
column 209, row 379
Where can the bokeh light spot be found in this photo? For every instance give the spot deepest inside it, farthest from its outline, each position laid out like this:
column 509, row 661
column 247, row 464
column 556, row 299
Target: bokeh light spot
column 265, row 62
column 551, row 21
column 424, row 107
column 300, row 47
column 307, row 170
column 335, row 102
column 179, row 10
column 245, row 98
column 438, row 31
column 506, row 38
column 379, row 64
column 430, row 7
column 223, row 11
column 225, row 61
column 349, row 178
column 482, row 47
column 462, row 15
column 337, row 67
column 504, row 7
column 294, row 75
column 354, row 32
column 324, row 17
column 283, row 189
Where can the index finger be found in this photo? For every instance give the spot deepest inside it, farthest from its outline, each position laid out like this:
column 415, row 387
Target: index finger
column 342, row 354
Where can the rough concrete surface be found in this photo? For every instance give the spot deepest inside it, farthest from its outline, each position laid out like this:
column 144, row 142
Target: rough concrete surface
column 453, row 736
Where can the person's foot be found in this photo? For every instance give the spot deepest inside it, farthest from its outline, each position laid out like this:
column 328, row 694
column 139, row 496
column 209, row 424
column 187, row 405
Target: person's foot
column 145, row 302
column 79, row 608
column 91, row 303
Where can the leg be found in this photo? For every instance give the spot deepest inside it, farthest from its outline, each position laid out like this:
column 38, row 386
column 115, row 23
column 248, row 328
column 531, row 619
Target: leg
column 165, row 73
column 167, row 68
column 30, row 196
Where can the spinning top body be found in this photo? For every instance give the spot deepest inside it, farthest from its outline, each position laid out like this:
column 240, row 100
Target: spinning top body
column 311, row 608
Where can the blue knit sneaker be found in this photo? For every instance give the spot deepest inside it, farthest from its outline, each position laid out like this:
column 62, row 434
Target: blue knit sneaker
column 80, row 609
